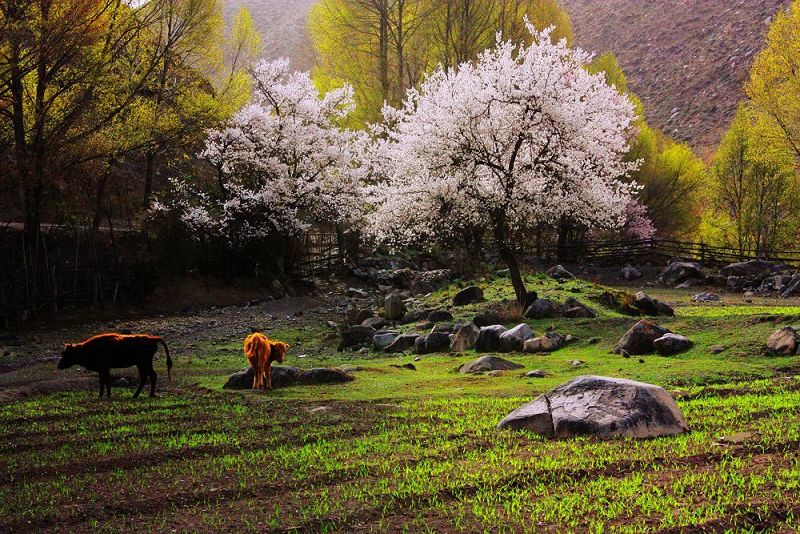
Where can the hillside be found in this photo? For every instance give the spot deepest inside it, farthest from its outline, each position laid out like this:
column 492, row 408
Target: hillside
column 687, row 59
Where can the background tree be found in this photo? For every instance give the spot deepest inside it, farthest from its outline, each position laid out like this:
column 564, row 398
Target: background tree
column 523, row 136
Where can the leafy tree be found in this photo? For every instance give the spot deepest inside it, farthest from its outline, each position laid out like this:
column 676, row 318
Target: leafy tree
column 756, row 189
column 523, row 136
column 774, row 85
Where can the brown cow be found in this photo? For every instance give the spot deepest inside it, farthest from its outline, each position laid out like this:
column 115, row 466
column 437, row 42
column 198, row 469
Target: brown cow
column 104, row 352
column 261, row 352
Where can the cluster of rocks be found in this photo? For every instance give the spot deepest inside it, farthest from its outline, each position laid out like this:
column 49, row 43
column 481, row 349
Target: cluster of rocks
column 784, row 342
column 572, row 308
column 647, row 337
column 757, row 276
column 638, row 305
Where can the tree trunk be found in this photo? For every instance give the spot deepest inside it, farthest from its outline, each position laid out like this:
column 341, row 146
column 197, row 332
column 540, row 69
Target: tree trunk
column 510, row 259
column 149, row 170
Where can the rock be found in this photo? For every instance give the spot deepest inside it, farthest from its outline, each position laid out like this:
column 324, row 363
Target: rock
column 469, row 295
column 488, row 363
column 630, row 274
column 356, row 316
column 429, row 281
column 742, row 283
column 382, row 341
column 356, row 335
column 402, row 343
column 375, row 322
column 530, row 298
column 436, row 342
column 413, row 316
column 688, row 284
column 538, row 373
column 578, row 310
column 422, row 326
column 752, row 268
column 792, row 287
column 640, row 338
column 276, row 286
column 282, row 376
column 577, row 363
column 394, row 308
column 408, row 366
column 489, row 338
column 602, row 407
column 465, row 338
column 650, row 306
column 558, row 272
column 513, row 340
column 488, row 318
column 783, row 342
column 495, row 374
column 706, row 297
column 593, row 340
column 440, row 316
column 550, row 342
column 679, row 272
column 670, row 344
column 717, row 349
column 353, row 292
column 314, row 377
column 543, row 309
column 445, row 328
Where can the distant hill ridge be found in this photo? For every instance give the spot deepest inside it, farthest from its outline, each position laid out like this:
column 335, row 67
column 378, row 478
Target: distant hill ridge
column 686, row 59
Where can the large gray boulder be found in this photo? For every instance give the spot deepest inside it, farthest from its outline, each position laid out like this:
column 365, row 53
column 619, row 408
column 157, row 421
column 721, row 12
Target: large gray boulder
column 434, row 342
column 383, row 340
column 513, row 340
column 465, row 338
column 640, row 338
column 486, row 364
column 752, row 269
column 670, row 344
column 489, row 318
column 576, row 309
column 355, row 336
column 402, row 343
column 679, row 272
column 489, row 339
column 650, row 306
column 282, row 376
column 559, row 273
column 792, row 288
column 549, row 342
column 543, row 309
column 469, row 295
column 440, row 316
column 630, row 274
column 784, row 341
column 603, row 407
column 394, row 308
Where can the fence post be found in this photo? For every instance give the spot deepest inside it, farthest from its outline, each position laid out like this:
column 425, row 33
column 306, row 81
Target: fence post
column 702, row 252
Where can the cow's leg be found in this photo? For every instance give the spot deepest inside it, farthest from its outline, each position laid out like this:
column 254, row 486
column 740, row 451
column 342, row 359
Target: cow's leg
column 102, row 382
column 256, row 375
column 153, row 377
column 142, row 380
column 268, row 376
column 107, row 378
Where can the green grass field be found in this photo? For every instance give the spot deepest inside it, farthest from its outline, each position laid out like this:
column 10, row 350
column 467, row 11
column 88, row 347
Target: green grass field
column 417, row 451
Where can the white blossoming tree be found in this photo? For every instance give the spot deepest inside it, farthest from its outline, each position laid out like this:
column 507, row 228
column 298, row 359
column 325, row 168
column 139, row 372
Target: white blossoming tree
column 523, row 136
column 282, row 164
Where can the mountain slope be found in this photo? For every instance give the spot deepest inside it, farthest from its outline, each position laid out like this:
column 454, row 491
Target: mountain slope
column 686, row 59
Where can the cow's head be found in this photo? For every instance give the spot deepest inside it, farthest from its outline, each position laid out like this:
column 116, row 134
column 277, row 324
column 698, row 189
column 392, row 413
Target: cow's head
column 67, row 357
column 278, row 351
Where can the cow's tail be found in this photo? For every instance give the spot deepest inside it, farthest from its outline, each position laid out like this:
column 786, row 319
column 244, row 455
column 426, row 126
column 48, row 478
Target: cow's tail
column 169, row 358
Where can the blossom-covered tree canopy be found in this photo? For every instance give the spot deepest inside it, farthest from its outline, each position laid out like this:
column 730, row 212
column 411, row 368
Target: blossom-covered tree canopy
column 525, row 135
column 283, row 162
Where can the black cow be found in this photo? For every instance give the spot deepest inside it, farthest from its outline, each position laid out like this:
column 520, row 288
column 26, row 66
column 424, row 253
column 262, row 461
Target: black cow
column 117, row 351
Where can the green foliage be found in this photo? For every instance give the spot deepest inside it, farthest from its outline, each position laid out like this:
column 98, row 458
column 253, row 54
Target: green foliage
column 607, row 64
column 383, row 48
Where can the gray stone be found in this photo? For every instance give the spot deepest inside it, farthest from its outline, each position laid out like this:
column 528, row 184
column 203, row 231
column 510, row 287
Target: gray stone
column 465, row 338
column 440, row 316
column 382, row 341
column 489, row 338
column 640, row 338
column 550, row 342
column 538, row 373
column 558, row 272
column 602, row 407
column 469, row 295
column 670, row 344
column 394, row 308
column 488, row 318
column 356, row 316
column 314, row 377
column 752, row 268
column 792, row 287
column 488, row 363
column 679, row 272
column 494, row 374
column 650, row 306
column 717, row 349
column 630, row 274
column 513, row 340
column 578, row 310
column 356, row 335
column 543, row 309
column 402, row 343
column 413, row 316
column 353, row 292
column 783, row 342
column 445, row 328
column 281, row 376
column 375, row 322
column 706, row 297
column 435, row 342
